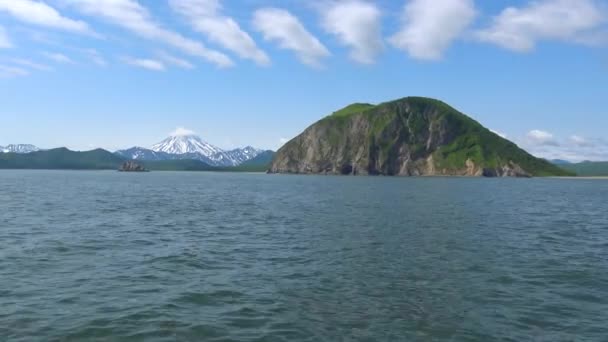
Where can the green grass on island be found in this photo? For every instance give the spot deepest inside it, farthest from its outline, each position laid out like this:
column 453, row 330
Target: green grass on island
column 473, row 141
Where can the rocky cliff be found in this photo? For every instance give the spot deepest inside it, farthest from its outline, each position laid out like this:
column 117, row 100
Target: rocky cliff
column 408, row 137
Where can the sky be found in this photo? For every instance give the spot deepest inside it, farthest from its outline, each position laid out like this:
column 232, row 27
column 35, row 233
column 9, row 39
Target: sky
column 121, row 73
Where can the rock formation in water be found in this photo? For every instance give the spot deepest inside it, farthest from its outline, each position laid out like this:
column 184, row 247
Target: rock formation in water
column 408, row 137
column 131, row 166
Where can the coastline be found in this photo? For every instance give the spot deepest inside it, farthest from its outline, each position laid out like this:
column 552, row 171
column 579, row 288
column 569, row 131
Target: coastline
column 580, row 177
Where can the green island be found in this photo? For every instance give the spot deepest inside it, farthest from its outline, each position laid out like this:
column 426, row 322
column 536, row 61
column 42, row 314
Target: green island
column 413, row 136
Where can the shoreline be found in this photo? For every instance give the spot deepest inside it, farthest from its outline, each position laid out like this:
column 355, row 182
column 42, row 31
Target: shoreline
column 305, row 174
column 580, row 177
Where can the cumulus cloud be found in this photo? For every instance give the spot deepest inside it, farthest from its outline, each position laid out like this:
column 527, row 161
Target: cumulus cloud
column 41, row 14
column 539, row 137
column 5, row 42
column 146, row 63
column 356, row 24
column 204, row 16
column 176, row 61
column 577, row 140
column 430, row 27
column 132, row 16
column 519, row 29
column 287, row 31
column 58, row 57
column 11, row 71
column 181, row 131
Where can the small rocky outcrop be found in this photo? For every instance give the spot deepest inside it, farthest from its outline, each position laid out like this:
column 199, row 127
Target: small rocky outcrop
column 131, row 166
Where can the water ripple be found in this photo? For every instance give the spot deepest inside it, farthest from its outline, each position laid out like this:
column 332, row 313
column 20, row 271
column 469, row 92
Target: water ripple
column 97, row 256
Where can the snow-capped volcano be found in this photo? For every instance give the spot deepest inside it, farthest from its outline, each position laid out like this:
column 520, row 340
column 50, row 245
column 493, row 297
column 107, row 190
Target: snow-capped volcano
column 190, row 146
column 19, row 148
column 182, row 144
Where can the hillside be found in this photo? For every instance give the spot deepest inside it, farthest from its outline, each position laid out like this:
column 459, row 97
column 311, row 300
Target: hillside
column 263, row 159
column 64, row 159
column 61, row 158
column 407, row 137
column 587, row 168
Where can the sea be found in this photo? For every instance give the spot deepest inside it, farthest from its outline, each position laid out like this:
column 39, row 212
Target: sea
column 179, row 256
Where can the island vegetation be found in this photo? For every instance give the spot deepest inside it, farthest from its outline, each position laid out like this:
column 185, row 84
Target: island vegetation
column 413, row 136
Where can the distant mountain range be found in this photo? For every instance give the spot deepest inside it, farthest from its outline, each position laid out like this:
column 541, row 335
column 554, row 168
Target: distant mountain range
column 179, row 153
column 18, row 148
column 587, row 168
column 99, row 159
column 560, row 162
column 61, row 158
column 191, row 147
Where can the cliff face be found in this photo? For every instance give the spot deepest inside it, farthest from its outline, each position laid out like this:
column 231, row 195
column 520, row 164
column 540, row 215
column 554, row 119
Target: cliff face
column 407, row 137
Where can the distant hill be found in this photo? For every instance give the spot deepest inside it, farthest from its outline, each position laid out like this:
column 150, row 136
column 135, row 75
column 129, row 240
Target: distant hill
column 262, row 159
column 413, row 136
column 64, row 159
column 140, row 153
column 587, row 168
column 560, row 162
column 61, row 158
column 260, row 163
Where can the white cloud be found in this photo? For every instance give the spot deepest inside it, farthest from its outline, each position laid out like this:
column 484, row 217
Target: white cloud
column 357, row 24
column 577, row 140
column 178, row 62
column 282, row 141
column 130, row 15
column 520, row 29
column 30, row 64
column 10, row 71
column 539, row 137
column 96, row 57
column 146, row 63
column 205, row 18
column 58, row 57
column 196, row 8
column 181, row 131
column 280, row 26
column 430, row 27
column 5, row 42
column 39, row 13
column 575, row 148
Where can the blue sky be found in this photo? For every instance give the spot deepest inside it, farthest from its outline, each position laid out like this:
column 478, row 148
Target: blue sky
column 119, row 73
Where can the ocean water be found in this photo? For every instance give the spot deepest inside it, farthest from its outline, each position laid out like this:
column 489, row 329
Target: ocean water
column 107, row 256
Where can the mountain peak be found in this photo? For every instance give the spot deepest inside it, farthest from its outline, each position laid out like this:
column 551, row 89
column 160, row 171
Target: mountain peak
column 186, row 136
column 183, row 144
column 186, row 143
